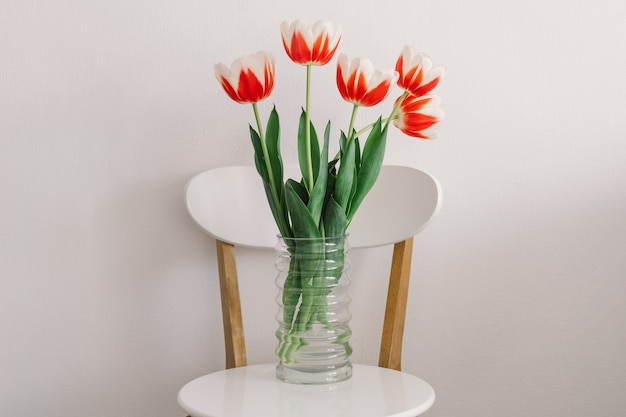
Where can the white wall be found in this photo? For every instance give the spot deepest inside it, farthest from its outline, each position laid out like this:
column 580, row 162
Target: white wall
column 108, row 292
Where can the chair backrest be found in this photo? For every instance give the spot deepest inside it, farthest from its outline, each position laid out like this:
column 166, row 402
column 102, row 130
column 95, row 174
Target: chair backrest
column 230, row 205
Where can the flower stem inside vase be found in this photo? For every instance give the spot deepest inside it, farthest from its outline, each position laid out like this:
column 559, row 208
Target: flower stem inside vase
column 313, row 333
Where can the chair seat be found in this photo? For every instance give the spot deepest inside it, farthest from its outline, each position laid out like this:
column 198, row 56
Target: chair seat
column 255, row 391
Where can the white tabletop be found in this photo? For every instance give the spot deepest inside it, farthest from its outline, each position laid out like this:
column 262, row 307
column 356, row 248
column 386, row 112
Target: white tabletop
column 255, row 391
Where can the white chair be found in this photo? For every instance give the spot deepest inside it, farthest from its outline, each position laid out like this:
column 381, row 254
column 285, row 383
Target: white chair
column 400, row 205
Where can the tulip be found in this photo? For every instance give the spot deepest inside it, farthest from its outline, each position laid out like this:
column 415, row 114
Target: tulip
column 359, row 83
column 310, row 45
column 417, row 74
column 418, row 116
column 249, row 79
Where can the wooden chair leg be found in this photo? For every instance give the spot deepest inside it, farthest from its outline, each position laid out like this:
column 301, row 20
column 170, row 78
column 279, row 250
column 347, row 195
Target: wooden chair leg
column 234, row 340
column 395, row 311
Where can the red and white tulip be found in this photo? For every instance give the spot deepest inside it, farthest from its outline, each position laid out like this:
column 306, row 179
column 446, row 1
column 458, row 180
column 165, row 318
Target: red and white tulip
column 359, row 83
column 417, row 74
column 419, row 116
column 249, row 79
column 310, row 45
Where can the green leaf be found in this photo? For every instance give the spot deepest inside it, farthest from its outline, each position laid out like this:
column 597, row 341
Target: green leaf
column 301, row 220
column 335, row 221
column 318, row 194
column 373, row 155
column 373, row 137
column 272, row 140
column 300, row 190
column 283, row 204
column 343, row 140
column 277, row 211
column 259, row 160
column 357, row 154
column 345, row 176
column 313, row 147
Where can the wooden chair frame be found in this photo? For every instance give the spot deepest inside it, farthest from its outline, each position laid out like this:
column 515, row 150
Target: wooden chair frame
column 395, row 311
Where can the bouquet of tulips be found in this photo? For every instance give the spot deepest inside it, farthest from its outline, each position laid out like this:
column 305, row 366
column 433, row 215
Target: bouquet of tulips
column 323, row 203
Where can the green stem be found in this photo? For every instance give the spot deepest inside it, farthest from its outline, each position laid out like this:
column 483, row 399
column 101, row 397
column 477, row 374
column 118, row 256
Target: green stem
column 351, row 128
column 307, row 128
column 368, row 127
column 352, row 120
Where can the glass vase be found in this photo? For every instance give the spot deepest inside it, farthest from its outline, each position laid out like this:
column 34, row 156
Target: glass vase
column 313, row 316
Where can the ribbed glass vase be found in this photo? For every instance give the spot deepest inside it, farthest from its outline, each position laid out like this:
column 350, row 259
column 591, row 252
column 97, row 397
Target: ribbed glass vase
column 313, row 316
